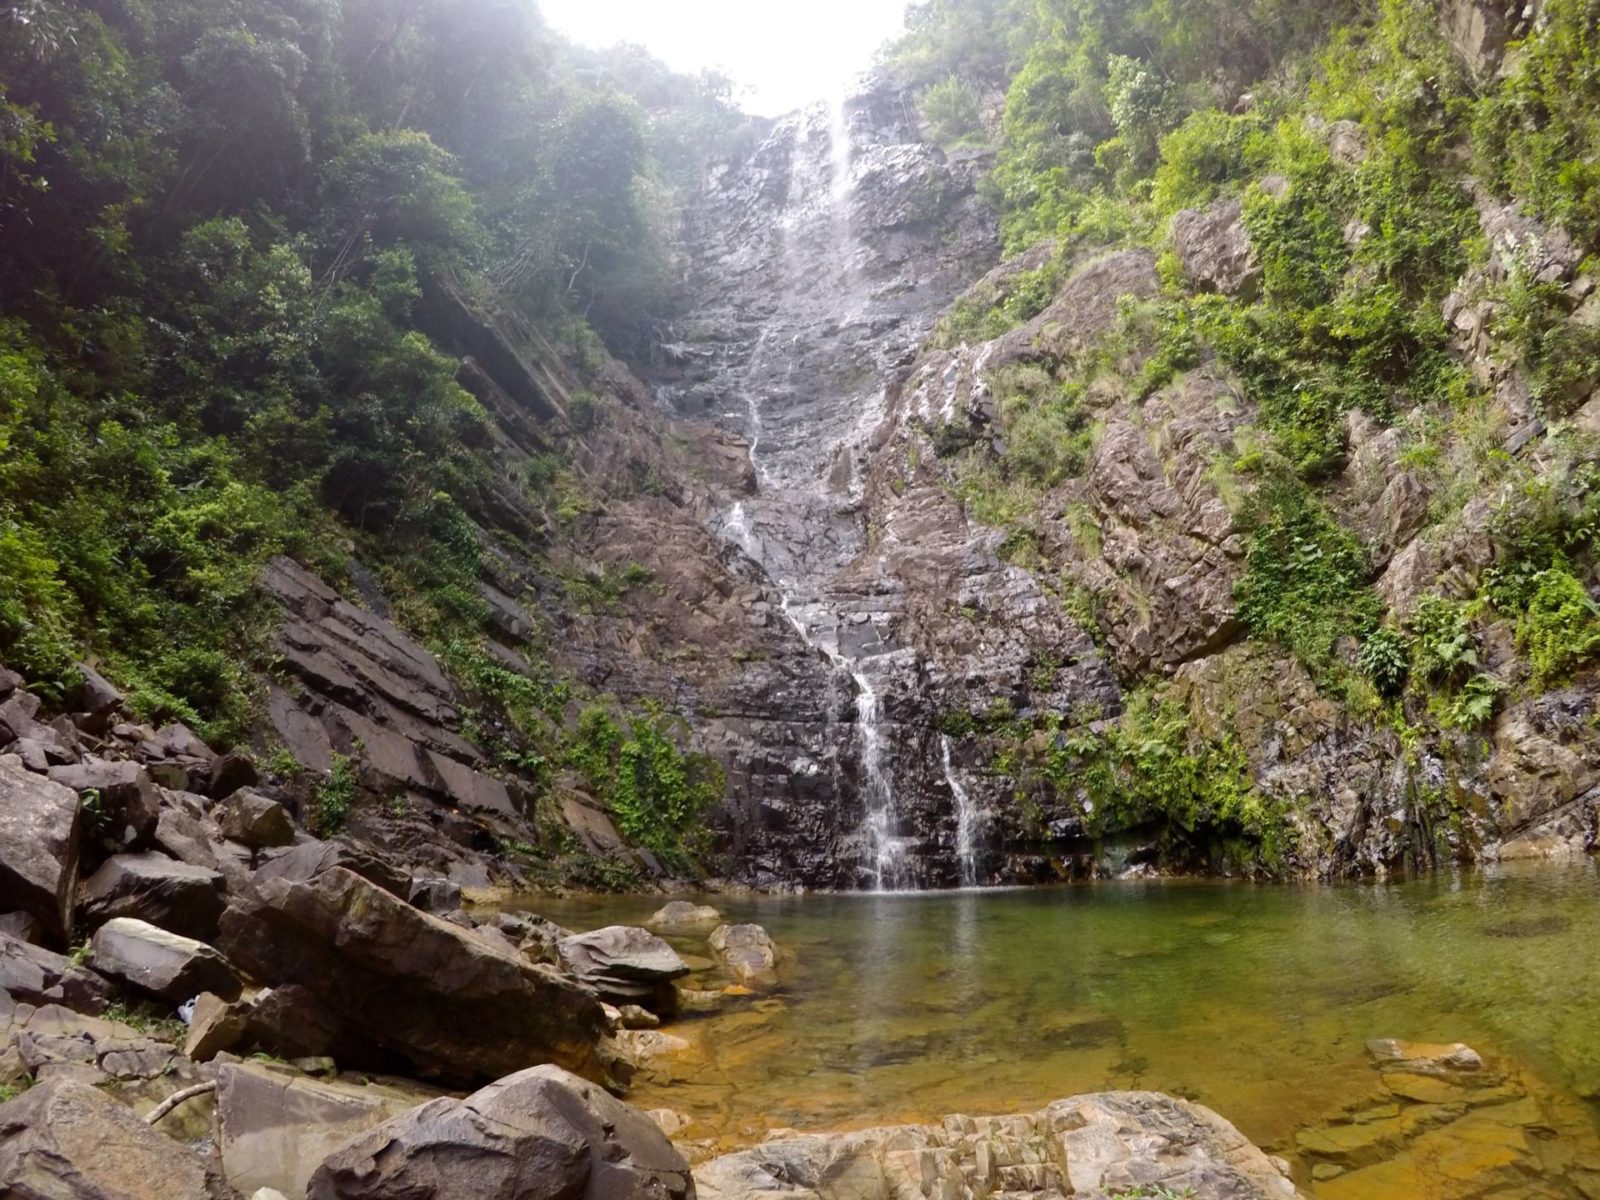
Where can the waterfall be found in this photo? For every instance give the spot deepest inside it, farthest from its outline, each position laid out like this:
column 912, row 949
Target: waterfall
column 966, row 818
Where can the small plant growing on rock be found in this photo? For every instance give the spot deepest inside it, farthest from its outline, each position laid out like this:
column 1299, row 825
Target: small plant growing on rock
column 335, row 794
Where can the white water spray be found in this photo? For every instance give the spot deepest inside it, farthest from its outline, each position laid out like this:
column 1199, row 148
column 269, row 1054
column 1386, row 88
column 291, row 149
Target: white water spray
column 966, row 818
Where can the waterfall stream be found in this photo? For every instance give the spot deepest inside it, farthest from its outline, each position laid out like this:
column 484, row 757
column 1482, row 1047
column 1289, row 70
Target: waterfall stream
column 966, row 817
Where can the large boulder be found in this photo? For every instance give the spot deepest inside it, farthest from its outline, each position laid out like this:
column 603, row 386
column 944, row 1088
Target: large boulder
column 254, row 820
column 310, row 859
column 176, row 896
column 541, row 1134
column 275, row 1128
column 39, row 976
column 410, row 983
column 65, row 1140
column 749, row 952
column 164, row 964
column 122, row 798
column 40, row 824
column 1112, row 1143
column 625, row 964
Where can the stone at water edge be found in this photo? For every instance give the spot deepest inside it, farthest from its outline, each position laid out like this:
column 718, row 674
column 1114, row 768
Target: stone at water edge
column 749, row 952
column 40, row 827
column 164, row 964
column 411, row 983
column 65, row 1139
column 1424, row 1057
column 1104, row 1143
column 541, row 1134
column 681, row 916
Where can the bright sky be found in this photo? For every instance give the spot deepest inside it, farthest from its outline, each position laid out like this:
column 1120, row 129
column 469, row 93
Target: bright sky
column 786, row 52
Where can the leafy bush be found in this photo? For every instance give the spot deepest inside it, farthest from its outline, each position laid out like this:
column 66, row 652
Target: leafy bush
column 952, row 110
column 334, row 797
column 1385, row 660
column 1560, row 630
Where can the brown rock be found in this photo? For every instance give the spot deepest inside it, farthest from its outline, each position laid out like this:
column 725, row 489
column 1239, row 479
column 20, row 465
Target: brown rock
column 39, row 833
column 255, row 820
column 176, row 896
column 214, row 1026
column 38, row 976
column 122, row 797
column 164, row 964
column 1215, row 250
column 541, row 1134
column 410, row 982
column 749, row 952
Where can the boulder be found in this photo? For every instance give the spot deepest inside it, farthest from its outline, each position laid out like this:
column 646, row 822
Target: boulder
column 1214, row 248
column 215, row 1025
column 25, row 927
column 254, row 820
column 164, row 964
column 230, row 773
column 541, row 1134
column 1110, row 1143
column 310, row 859
column 95, row 695
column 681, row 916
column 624, row 964
column 435, row 895
column 749, row 952
column 39, row 976
column 120, row 797
column 187, row 838
column 275, row 1128
column 40, row 824
column 66, row 1139
column 291, row 1022
column 409, row 982
column 176, row 896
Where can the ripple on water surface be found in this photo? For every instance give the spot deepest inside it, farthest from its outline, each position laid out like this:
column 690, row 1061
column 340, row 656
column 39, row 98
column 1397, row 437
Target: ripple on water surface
column 1257, row 1001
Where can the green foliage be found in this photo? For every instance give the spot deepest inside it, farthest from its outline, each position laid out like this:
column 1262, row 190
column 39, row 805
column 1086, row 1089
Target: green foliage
column 147, row 1017
column 1385, row 661
column 1149, row 770
column 984, row 314
column 657, row 792
column 952, row 110
column 1560, row 629
column 1305, row 582
column 1561, row 356
column 334, row 797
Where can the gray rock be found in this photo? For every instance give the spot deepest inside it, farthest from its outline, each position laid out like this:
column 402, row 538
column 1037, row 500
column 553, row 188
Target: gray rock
column 164, row 964
column 748, row 952
column 541, row 1134
column 254, row 820
column 188, row 838
column 173, row 895
column 231, row 772
column 310, row 859
column 38, row 976
column 215, row 1025
column 1110, row 1143
column 624, row 964
column 409, row 982
column 435, row 895
column 680, row 916
column 1214, row 248
column 275, row 1128
column 39, row 833
column 64, row 1139
column 120, row 795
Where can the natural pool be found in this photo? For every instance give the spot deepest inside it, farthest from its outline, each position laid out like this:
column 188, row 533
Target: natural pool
column 1255, row 1000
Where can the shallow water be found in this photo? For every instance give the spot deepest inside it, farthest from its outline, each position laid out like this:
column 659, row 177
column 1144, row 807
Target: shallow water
column 1255, row 1000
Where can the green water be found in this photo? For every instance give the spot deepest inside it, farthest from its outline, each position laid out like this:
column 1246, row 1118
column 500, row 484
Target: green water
column 1255, row 1000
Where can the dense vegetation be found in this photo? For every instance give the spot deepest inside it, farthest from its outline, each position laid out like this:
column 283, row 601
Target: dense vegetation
column 217, row 219
column 1115, row 117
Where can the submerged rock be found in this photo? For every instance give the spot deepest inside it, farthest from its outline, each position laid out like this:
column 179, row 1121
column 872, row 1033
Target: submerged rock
column 680, row 916
column 749, row 952
column 541, row 1134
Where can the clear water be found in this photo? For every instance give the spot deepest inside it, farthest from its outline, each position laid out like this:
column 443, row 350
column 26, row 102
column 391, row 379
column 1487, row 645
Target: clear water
column 1255, row 1000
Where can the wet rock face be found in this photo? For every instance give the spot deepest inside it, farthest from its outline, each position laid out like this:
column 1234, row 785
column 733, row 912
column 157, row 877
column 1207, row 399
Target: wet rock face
column 818, row 266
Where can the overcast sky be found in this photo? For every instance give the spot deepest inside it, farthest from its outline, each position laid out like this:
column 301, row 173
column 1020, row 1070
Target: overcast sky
column 786, row 53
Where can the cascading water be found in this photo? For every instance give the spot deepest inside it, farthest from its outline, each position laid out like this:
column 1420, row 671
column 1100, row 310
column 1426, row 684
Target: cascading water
column 966, row 818
column 817, row 217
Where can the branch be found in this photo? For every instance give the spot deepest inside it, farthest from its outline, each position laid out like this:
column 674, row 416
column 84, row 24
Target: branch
column 177, row 1098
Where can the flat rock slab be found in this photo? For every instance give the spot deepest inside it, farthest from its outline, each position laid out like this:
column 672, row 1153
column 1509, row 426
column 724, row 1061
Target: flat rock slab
column 176, row 896
column 168, row 965
column 410, row 983
column 66, row 1139
column 40, row 827
column 1099, row 1144
column 541, row 1134
column 276, row 1127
